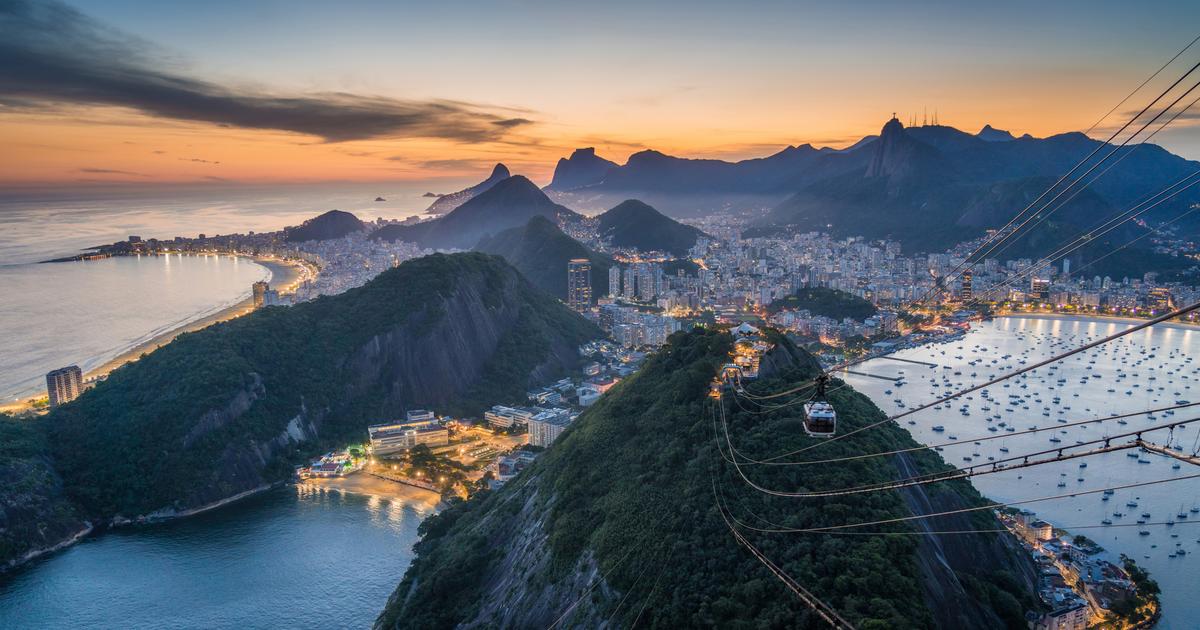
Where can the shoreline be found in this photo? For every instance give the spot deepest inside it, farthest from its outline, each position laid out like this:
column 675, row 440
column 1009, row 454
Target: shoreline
column 367, row 485
column 285, row 277
column 285, row 274
column 1110, row 318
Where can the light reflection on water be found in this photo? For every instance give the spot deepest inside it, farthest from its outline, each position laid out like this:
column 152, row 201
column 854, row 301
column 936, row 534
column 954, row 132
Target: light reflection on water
column 292, row 557
column 1033, row 339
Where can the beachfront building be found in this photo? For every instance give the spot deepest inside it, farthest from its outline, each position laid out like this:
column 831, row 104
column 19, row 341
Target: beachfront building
column 503, row 417
column 64, row 385
column 400, row 436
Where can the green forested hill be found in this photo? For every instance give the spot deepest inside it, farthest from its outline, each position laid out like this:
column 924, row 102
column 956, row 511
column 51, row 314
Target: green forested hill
column 540, row 251
column 618, row 523
column 230, row 407
column 823, row 301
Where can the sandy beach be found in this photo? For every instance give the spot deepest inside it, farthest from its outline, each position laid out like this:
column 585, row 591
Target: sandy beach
column 286, row 275
column 368, row 485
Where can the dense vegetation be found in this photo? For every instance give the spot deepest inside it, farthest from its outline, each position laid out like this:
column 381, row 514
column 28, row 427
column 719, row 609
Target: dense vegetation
column 824, row 301
column 540, row 251
column 330, row 225
column 631, row 489
column 194, row 420
column 34, row 514
column 637, row 225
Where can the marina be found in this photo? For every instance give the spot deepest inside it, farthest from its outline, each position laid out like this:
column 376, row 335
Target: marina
column 1065, row 405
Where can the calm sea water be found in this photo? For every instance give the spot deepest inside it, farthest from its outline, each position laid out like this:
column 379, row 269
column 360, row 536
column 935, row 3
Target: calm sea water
column 1148, row 369
column 290, row 558
column 86, row 313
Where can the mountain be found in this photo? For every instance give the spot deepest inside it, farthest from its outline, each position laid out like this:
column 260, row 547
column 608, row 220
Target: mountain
column 540, row 251
column 990, row 134
column 445, row 203
column 686, row 187
column 583, row 168
column 509, row 203
column 324, row 227
column 916, row 185
column 827, row 302
column 931, row 187
column 35, row 514
column 234, row 406
column 635, row 224
column 623, row 520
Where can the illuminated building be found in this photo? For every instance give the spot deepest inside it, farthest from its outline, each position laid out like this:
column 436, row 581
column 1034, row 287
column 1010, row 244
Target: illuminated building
column 64, row 385
column 400, row 436
column 579, row 284
column 1159, row 299
column 614, row 281
column 967, row 291
column 260, row 289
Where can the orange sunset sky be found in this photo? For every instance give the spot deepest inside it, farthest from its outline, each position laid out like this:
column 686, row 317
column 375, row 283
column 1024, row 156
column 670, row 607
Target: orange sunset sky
column 130, row 93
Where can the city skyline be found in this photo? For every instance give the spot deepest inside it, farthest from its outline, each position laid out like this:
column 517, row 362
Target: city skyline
column 263, row 93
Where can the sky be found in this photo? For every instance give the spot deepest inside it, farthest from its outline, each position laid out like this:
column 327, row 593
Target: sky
column 131, row 93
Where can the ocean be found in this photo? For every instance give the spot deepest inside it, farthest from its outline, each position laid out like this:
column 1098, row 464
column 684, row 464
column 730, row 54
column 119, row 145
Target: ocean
column 86, row 313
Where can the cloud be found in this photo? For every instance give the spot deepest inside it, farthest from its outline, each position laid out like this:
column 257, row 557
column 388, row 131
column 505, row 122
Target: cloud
column 51, row 54
column 198, row 161
column 109, row 171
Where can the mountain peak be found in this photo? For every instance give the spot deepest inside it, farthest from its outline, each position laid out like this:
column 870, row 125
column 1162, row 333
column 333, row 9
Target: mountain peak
column 991, row 134
column 638, row 225
column 448, row 202
column 893, row 126
column 893, row 150
column 583, row 168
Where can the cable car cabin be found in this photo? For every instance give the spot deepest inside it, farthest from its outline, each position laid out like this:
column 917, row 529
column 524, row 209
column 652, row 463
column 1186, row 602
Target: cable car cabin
column 820, row 420
column 731, row 374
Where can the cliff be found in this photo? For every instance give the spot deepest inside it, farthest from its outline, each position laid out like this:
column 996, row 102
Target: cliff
column 618, row 523
column 230, row 408
column 35, row 515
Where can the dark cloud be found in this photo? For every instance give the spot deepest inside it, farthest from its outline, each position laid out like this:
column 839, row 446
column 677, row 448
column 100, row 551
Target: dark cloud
column 109, row 171
column 52, row 54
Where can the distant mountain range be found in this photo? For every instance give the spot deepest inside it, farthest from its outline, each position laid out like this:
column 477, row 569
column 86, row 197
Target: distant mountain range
column 635, row 224
column 508, row 203
column 445, row 203
column 928, row 186
column 323, row 227
column 540, row 251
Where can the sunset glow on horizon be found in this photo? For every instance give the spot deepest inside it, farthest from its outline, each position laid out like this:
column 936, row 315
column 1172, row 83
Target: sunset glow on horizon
column 377, row 92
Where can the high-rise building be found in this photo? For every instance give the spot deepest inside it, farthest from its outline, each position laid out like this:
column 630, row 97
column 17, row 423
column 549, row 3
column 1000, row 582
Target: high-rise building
column 579, row 284
column 968, row 290
column 1159, row 299
column 629, row 285
column 1039, row 288
column 614, row 281
column 64, row 385
column 260, row 289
